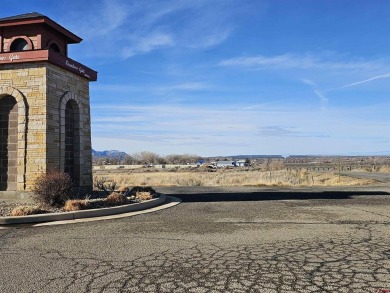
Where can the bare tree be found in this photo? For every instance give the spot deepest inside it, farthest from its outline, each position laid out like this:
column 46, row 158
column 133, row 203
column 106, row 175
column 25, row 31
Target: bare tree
column 148, row 158
column 129, row 160
column 182, row 159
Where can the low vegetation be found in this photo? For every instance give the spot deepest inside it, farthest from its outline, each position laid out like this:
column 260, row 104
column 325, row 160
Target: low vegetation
column 117, row 198
column 53, row 188
column 143, row 195
column 102, row 184
column 384, row 169
column 231, row 177
column 72, row 205
column 27, row 210
column 145, row 158
column 53, row 192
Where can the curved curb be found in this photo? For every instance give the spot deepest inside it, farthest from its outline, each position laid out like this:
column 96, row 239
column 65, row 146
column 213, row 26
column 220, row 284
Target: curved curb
column 66, row 216
column 171, row 202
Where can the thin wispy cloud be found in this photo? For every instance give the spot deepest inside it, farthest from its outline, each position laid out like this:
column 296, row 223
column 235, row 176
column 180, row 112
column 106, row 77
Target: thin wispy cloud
column 102, row 21
column 116, row 88
column 323, row 94
column 212, row 120
column 211, row 39
column 187, row 86
column 320, row 94
column 130, row 28
column 128, row 88
column 202, row 127
column 279, row 131
column 383, row 76
column 308, row 61
column 147, row 44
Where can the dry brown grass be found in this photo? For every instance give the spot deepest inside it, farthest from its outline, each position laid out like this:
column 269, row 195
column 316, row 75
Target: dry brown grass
column 234, row 177
column 375, row 168
column 76, row 205
column 123, row 190
column 116, row 199
column 143, row 195
column 26, row 210
column 384, row 169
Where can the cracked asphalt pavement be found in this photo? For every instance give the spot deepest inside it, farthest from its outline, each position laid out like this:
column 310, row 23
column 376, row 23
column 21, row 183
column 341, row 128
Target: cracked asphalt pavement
column 216, row 240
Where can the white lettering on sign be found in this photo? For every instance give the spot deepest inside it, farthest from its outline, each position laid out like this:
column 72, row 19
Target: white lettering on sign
column 13, row 57
column 71, row 65
column 80, row 69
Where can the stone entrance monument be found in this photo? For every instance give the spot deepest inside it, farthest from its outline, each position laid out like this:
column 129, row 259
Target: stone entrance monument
column 44, row 104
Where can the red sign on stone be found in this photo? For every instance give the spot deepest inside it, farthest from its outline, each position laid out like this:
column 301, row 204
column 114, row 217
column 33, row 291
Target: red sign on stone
column 52, row 57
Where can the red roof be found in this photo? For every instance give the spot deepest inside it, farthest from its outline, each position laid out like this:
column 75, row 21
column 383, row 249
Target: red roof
column 33, row 18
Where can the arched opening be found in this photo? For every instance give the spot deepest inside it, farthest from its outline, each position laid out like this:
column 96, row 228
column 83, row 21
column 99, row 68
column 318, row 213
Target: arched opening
column 18, row 45
column 54, row 47
column 72, row 141
column 8, row 143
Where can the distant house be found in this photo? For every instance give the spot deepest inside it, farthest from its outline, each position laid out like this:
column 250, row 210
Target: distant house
column 241, row 163
column 223, row 164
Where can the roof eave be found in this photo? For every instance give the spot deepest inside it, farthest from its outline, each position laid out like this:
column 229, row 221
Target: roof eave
column 71, row 37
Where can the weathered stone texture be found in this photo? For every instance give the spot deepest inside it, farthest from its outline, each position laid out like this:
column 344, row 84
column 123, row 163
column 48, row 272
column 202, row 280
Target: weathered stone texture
column 45, row 88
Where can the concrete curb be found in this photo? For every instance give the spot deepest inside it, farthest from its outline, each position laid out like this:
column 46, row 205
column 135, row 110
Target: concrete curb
column 84, row 214
column 171, row 202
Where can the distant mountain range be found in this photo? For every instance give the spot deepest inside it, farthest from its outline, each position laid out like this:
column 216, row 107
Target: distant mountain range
column 110, row 154
column 121, row 155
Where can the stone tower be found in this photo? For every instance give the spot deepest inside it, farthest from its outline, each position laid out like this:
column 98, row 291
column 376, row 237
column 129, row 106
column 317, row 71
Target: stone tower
column 44, row 104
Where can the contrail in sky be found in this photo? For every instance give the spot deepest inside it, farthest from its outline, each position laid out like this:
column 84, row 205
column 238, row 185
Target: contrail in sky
column 363, row 81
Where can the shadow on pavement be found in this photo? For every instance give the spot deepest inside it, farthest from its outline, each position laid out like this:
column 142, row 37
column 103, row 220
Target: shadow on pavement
column 279, row 195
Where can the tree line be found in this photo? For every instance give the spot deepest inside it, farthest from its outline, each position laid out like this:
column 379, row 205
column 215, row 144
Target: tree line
column 146, row 158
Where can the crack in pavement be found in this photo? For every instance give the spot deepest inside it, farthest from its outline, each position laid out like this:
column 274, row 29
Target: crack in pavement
column 370, row 212
column 357, row 262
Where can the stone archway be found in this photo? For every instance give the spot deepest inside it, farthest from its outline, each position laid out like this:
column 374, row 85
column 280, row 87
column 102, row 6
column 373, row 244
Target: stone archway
column 13, row 135
column 8, row 143
column 71, row 142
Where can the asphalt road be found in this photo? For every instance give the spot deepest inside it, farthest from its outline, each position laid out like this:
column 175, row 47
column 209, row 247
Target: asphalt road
column 216, row 240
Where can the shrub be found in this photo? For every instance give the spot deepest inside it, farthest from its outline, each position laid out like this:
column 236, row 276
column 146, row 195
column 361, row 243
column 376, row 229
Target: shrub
column 124, row 190
column 53, row 188
column 137, row 189
column 100, row 183
column 26, row 210
column 116, row 199
column 143, row 195
column 76, row 205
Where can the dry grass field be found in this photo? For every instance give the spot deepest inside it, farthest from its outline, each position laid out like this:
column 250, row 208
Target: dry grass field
column 384, row 169
column 227, row 177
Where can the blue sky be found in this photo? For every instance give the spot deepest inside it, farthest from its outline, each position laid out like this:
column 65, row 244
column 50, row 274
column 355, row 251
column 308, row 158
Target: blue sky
column 225, row 77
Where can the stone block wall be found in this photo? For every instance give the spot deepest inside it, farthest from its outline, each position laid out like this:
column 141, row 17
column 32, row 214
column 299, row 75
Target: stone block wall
column 8, row 143
column 62, row 87
column 27, row 84
column 42, row 91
